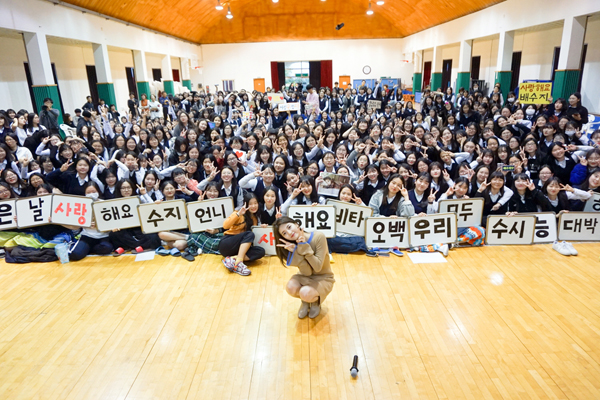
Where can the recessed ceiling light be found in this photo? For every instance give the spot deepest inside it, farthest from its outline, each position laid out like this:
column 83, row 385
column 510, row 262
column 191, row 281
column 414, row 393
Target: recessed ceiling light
column 380, row 3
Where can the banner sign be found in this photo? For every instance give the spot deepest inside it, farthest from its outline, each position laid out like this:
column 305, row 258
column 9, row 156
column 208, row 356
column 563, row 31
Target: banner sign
column 518, row 229
column 284, row 107
column 578, row 226
column 209, row 214
column 8, row 214
column 468, row 211
column 263, row 237
column 162, row 217
column 545, row 227
column 276, row 98
column 116, row 214
column 315, row 218
column 72, row 210
column 373, row 104
column 350, row 218
column 535, row 93
column 431, row 229
column 34, row 211
column 386, row 232
column 593, row 203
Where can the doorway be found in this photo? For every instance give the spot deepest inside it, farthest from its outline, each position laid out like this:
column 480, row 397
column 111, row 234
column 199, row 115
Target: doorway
column 176, row 75
column 131, row 85
column 446, row 74
column 426, row 74
column 259, row 84
column 93, row 82
column 344, row 81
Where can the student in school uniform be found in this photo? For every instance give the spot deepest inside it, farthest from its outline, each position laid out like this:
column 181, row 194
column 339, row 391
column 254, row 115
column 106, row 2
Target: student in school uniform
column 72, row 182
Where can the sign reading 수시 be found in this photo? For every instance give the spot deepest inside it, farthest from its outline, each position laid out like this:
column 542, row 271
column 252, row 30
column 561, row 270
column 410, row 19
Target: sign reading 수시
column 535, row 92
column 8, row 214
column 468, row 211
column 350, row 218
column 578, row 226
column 163, row 216
column 263, row 237
column 116, row 214
column 431, row 229
column 209, row 214
column 518, row 229
column 386, row 232
column 315, row 218
column 34, row 211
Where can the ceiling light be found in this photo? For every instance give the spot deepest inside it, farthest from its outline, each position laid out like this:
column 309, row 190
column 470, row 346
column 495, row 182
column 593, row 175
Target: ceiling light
column 275, row 1
column 380, row 3
column 219, row 7
column 229, row 15
column 369, row 11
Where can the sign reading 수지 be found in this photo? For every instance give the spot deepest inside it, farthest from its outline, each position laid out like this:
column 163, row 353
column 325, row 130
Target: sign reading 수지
column 545, row 227
column 163, row 216
column 593, row 203
column 116, row 214
column 315, row 218
column 72, row 210
column 34, row 211
column 374, row 104
column 283, row 107
column 518, row 229
column 209, row 214
column 385, row 232
column 8, row 214
column 431, row 229
column 535, row 93
column 350, row 218
column 578, row 226
column 468, row 211
column 263, row 237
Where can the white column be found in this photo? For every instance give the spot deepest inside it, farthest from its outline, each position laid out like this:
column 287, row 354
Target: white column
column 167, row 69
column 139, row 64
column 185, row 68
column 102, row 63
column 464, row 58
column 571, row 45
column 38, row 58
column 437, row 63
column 505, row 50
column 418, row 61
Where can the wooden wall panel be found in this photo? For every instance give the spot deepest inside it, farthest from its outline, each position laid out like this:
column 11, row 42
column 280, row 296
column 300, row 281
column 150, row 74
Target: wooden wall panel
column 262, row 20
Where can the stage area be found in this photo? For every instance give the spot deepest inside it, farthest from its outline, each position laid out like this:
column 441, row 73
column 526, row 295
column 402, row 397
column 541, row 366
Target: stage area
column 491, row 323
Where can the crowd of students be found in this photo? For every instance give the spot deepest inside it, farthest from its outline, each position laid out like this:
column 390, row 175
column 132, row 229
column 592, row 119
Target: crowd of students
column 401, row 160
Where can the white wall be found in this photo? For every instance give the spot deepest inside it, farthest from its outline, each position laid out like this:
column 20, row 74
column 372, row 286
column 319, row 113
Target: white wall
column 245, row 61
column 119, row 60
column 14, row 92
column 591, row 72
column 487, row 49
column 537, row 52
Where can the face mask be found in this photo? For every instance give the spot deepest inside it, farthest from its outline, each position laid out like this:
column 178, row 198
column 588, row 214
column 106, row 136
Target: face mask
column 93, row 196
column 570, row 133
column 475, row 88
column 511, row 100
column 530, row 111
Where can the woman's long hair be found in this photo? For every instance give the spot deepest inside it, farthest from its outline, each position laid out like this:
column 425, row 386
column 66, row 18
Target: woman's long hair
column 282, row 253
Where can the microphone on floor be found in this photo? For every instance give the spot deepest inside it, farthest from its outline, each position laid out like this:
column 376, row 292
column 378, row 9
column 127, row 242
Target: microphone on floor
column 354, row 369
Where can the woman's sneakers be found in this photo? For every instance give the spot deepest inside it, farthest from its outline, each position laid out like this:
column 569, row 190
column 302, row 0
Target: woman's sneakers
column 303, row 311
column 564, row 248
column 239, row 268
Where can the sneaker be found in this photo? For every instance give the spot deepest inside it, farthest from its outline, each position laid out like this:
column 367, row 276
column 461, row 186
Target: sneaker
column 241, row 269
column 444, row 250
column 571, row 248
column 228, row 262
column 380, row 250
column 371, row 253
column 303, row 311
column 396, row 251
column 561, row 248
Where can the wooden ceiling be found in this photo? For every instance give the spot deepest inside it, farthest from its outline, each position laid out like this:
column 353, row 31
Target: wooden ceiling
column 262, row 20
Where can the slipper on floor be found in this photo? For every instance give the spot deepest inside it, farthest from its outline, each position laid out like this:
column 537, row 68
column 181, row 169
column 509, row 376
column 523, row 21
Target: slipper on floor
column 118, row 252
column 161, row 251
column 175, row 252
column 380, row 250
column 396, row 251
column 187, row 256
column 138, row 250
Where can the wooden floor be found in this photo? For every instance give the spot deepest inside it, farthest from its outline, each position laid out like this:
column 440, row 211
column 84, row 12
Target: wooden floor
column 492, row 323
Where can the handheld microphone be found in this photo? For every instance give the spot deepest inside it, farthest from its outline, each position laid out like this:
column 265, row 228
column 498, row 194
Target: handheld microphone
column 354, row 369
